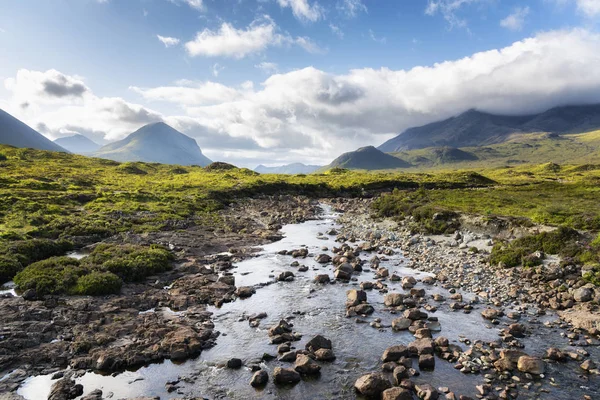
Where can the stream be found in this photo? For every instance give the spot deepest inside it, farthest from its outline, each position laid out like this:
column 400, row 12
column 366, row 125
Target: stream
column 320, row 309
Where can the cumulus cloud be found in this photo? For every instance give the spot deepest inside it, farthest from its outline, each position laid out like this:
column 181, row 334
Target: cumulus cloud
column 236, row 43
column 168, row 41
column 47, row 87
column 516, row 20
column 303, row 10
column 231, row 42
column 312, row 116
column 351, row 8
column 591, row 8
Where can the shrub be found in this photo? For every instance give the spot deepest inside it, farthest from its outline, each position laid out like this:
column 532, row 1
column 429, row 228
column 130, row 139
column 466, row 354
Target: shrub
column 56, row 275
column 97, row 284
column 131, row 263
column 3, row 157
column 9, row 266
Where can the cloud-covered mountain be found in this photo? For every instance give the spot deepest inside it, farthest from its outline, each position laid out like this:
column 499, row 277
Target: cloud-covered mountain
column 78, row 144
column 476, row 128
column 16, row 133
column 368, row 158
column 156, row 142
column 290, row 169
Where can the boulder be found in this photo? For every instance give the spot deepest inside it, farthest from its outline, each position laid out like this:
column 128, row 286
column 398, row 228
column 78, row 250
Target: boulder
column 396, row 393
column 421, row 346
column 65, row 389
column 394, row 353
column 355, row 297
column 532, row 365
column 306, row 366
column 426, row 362
column 285, row 376
column 372, row 385
column 323, row 259
column 286, row 276
column 324, row 355
column 490, row 313
column 427, row 392
column 259, row 379
column 245, row 291
column 317, row 343
column 322, row 278
column 583, row 294
column 393, row 299
column 401, row 324
column 234, row 363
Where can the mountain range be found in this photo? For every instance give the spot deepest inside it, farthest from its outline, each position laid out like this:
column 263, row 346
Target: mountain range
column 78, row 144
column 476, row 128
column 15, row 133
column 288, row 169
column 157, row 142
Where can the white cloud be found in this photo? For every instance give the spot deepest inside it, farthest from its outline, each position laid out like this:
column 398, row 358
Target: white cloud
column 449, row 10
column 231, row 42
column 236, row 43
column 336, row 31
column 267, row 67
column 312, row 116
column 516, row 20
column 216, row 69
column 590, row 8
column 303, row 10
column 351, row 8
column 168, row 41
column 195, row 4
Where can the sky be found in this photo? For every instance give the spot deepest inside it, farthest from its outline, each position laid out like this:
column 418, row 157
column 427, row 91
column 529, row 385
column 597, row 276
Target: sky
column 279, row 81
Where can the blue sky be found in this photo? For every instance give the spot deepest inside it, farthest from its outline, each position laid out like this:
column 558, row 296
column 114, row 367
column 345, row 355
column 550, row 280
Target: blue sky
column 272, row 81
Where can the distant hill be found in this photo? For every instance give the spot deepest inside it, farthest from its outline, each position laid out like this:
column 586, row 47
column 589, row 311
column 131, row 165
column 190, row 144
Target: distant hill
column 518, row 149
column 78, row 144
column 368, row 158
column 476, row 128
column 15, row 133
column 289, row 169
column 156, row 142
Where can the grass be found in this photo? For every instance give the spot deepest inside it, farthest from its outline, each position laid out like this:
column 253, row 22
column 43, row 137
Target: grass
column 54, row 199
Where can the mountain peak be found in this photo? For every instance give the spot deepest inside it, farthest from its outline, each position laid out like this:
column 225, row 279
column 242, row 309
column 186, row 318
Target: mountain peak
column 156, row 142
column 78, row 144
column 16, row 133
column 368, row 158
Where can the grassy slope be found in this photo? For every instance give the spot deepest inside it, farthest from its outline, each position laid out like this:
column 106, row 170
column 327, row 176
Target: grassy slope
column 520, row 149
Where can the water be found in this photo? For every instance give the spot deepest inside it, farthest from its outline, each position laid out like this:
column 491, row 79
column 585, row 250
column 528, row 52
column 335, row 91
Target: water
column 315, row 310
column 8, row 289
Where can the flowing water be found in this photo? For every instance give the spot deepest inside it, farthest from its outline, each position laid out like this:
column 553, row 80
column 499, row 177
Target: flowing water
column 314, row 309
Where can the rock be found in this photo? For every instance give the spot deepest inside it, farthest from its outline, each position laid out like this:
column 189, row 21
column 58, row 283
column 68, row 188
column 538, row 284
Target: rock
column 583, row 294
column 396, row 393
column 29, row 295
column 245, row 291
column 288, row 356
column 532, row 365
column 93, row 395
column 423, row 333
column 364, row 309
column 426, row 392
column 323, row 259
column 322, row 278
column 355, row 297
column 317, row 343
column 394, row 353
column 426, row 362
column 490, row 313
column 259, row 379
column 282, row 327
column 285, row 376
column 421, row 346
column 415, row 314
column 401, row 324
column 383, row 272
column 324, row 355
column 393, row 299
column 306, row 366
column 65, row 389
column 588, row 365
column 234, row 363
column 342, row 275
column 555, row 354
column 408, row 282
column 286, row 276
column 400, row 373
column 227, row 279
column 372, row 385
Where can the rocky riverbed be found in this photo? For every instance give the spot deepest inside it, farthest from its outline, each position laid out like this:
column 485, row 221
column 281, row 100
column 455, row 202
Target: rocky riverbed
column 338, row 307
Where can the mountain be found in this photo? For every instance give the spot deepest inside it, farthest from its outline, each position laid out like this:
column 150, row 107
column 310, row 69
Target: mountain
column 156, row 142
column 289, row 169
column 78, row 144
column 367, row 158
column 15, row 133
column 476, row 128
